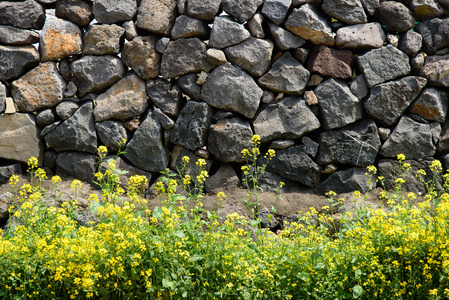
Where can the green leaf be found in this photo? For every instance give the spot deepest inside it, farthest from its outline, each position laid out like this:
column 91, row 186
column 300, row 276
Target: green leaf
column 320, row 265
column 254, row 222
column 196, row 258
column 357, row 291
column 303, row 276
column 358, row 274
column 180, row 234
column 254, row 247
column 157, row 212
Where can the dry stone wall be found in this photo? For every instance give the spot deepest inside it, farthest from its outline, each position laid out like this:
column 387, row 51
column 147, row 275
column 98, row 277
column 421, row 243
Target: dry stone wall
column 332, row 86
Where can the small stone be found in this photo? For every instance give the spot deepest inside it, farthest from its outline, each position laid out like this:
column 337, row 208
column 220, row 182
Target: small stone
column 203, row 9
column 393, row 39
column 282, row 144
column 66, row 109
column 359, row 87
column 361, row 36
column 330, row 62
column 10, row 106
column 310, row 98
column 110, row 133
column 202, row 153
column 431, row 104
column 436, row 70
column 165, row 120
column 301, row 54
column 70, row 90
column 410, row 43
column 329, row 169
column 189, row 86
column 77, row 165
column 202, row 77
column 130, row 30
column 132, row 124
column 162, row 44
column 255, row 26
column 417, row 63
column 268, row 96
column 241, row 10
column 165, row 96
column 216, row 56
column 225, row 179
column 384, row 133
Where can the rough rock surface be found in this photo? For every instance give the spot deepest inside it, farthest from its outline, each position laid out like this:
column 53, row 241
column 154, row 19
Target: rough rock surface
column 77, row 133
column 232, row 89
column 96, row 73
column 357, row 144
column 436, row 70
column 58, row 39
column 2, row 97
column 383, row 64
column 353, row 179
column 252, row 55
column 426, row 9
column 186, row 27
column 45, row 117
column 434, row 33
column 338, row 106
column 203, row 9
column 157, row 16
column 16, row 60
column 19, row 139
column 76, row 11
column 241, row 10
column 410, row 43
column 146, row 149
column 66, row 109
column 225, row 179
column 190, row 130
column 124, row 100
column 361, row 36
column 276, row 10
column 330, row 62
column 40, row 88
column 395, row 16
column 77, row 164
column 431, row 104
column 110, row 133
column 350, row 12
column 189, row 86
column 289, row 118
column 184, row 56
column 165, row 96
column 284, row 39
column 255, row 26
column 140, row 55
column 228, row 138
column 114, row 11
column 411, row 138
column 308, row 23
column 225, row 32
column 102, row 39
column 388, row 101
column 16, row 36
column 358, row 87
column 6, row 171
column 286, row 75
column 23, row 14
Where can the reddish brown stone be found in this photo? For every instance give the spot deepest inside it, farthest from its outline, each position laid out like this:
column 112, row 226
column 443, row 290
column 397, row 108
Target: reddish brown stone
column 331, row 62
column 59, row 39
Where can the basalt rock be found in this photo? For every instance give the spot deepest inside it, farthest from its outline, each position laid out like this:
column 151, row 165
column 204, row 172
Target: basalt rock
column 16, row 60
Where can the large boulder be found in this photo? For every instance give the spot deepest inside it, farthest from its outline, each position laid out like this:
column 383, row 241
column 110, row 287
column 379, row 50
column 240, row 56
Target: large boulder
column 124, row 100
column 411, row 138
column 190, row 130
column 230, row 88
column 140, row 55
column 290, row 118
column 114, row 11
column 16, row 60
column 96, row 73
column 361, row 36
column 77, row 133
column 356, row 144
column 58, row 39
column 310, row 24
column 157, row 16
column 27, row 14
column 184, row 56
column 40, row 88
column 146, row 149
column 388, row 101
column 286, row 75
column 383, row 64
column 338, row 105
column 19, row 139
column 228, row 138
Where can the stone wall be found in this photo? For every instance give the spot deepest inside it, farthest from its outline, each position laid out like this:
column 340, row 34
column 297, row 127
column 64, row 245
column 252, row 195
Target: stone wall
column 332, row 85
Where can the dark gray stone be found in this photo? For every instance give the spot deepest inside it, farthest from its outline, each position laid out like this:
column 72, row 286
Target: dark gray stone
column 350, row 180
column 267, row 220
column 6, row 171
column 225, row 179
column 77, row 133
column 130, row 30
column 276, row 10
column 410, row 43
column 45, row 117
column 241, row 10
column 436, row 70
column 16, row 60
column 357, row 144
column 146, row 149
column 140, row 55
column 76, row 11
column 189, row 86
column 395, row 16
column 350, row 12
column 361, row 36
column 434, row 33
column 184, row 56
column 281, row 144
column 186, row 27
column 310, row 24
column 383, row 64
column 426, row 9
column 165, row 120
column 124, row 100
column 203, row 9
column 417, row 63
column 388, row 101
column 66, row 109
column 157, row 16
column 431, row 104
column 2, row 97
column 230, row 88
column 443, row 143
column 290, row 118
column 286, row 75
column 255, row 26
column 190, row 130
column 338, row 106
column 110, row 133
column 96, row 73
column 162, row 44
column 165, row 96
column 284, row 39
column 23, row 14
column 114, row 11
column 294, row 163
column 102, row 39
column 16, row 36
column 225, row 32
column 77, row 164
column 252, row 55
column 311, row 146
column 228, row 138
column 191, row 168
column 411, row 138
column 359, row 87
column 370, row 6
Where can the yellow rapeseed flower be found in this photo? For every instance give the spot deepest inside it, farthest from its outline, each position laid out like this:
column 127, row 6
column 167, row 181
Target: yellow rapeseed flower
column 55, row 179
column 400, row 157
column 76, row 184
